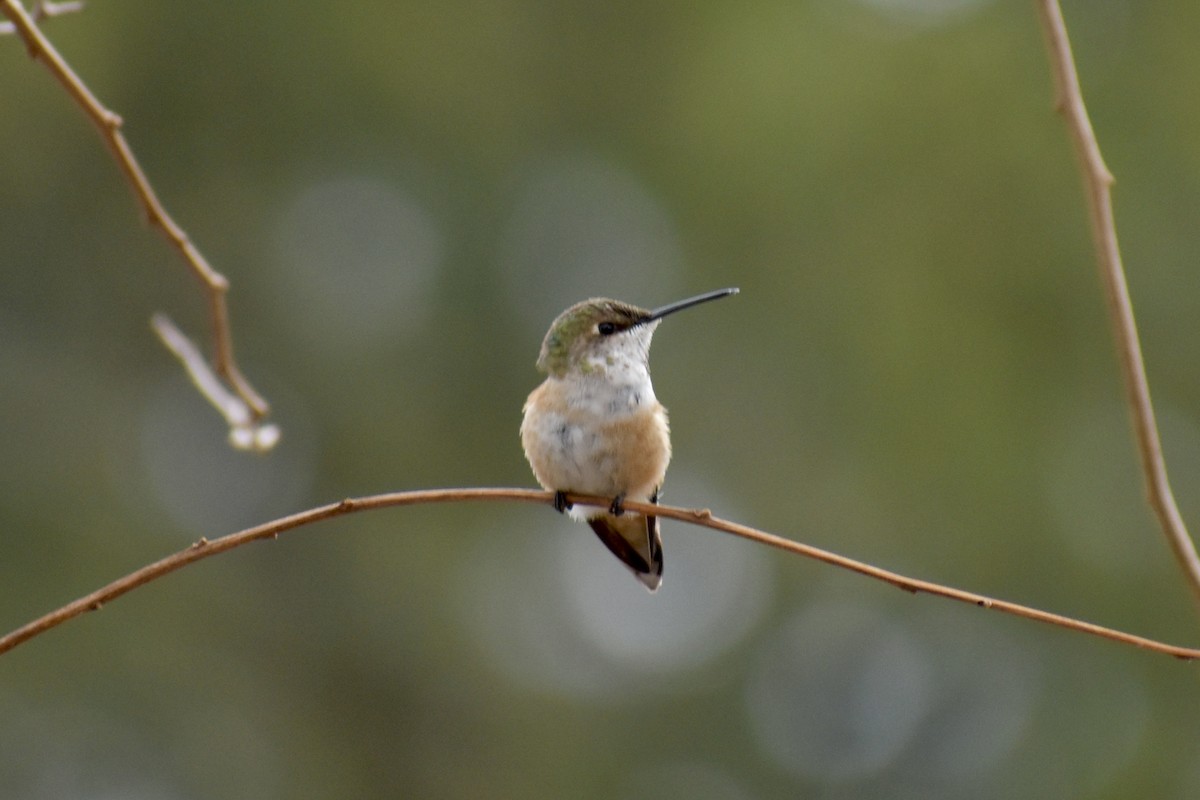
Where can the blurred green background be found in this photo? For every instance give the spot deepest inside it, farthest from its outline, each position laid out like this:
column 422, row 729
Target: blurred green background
column 917, row 373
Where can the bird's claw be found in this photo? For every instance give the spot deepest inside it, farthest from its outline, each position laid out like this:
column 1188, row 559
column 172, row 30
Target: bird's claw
column 617, row 507
column 561, row 503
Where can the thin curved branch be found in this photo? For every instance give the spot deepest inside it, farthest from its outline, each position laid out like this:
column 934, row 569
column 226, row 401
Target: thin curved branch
column 251, row 404
column 1098, row 183
column 702, row 517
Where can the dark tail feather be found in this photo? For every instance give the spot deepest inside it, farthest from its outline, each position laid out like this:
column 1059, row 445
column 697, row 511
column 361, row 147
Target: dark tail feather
column 636, row 541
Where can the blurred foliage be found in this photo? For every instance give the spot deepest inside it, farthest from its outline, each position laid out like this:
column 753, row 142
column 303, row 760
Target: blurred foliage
column 917, row 373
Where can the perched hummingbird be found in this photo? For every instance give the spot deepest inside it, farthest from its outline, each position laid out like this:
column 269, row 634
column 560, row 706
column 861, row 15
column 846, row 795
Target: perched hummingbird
column 595, row 427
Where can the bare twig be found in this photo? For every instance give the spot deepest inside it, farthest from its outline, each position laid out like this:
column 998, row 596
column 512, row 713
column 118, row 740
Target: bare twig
column 204, row 548
column 1097, row 186
column 109, row 125
column 245, row 432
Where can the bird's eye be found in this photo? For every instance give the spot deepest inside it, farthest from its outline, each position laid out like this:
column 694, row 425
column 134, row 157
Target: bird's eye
column 606, row 328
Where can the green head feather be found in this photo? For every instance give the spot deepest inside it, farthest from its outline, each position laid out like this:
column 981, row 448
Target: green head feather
column 579, row 326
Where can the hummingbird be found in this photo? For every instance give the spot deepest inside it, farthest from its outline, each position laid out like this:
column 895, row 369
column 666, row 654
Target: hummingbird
column 594, row 426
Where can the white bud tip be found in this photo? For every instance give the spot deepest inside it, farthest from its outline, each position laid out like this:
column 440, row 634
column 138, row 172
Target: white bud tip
column 258, row 438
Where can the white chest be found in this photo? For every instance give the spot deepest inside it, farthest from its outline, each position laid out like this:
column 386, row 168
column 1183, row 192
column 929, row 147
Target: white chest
column 586, row 434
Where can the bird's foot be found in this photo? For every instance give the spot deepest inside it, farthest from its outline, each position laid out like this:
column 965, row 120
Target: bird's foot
column 617, row 507
column 561, row 503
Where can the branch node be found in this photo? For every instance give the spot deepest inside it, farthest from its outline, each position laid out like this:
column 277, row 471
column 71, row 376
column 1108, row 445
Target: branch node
column 43, row 9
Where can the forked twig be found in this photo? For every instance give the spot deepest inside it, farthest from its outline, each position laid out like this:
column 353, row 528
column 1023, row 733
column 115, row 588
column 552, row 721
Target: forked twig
column 224, row 367
column 1098, row 188
column 245, row 432
column 44, row 9
column 204, row 549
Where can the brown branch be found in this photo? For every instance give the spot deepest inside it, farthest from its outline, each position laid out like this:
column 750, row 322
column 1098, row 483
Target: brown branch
column 109, row 125
column 702, row 517
column 1098, row 182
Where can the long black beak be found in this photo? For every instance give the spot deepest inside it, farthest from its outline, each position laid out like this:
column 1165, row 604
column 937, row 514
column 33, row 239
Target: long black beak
column 680, row 305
